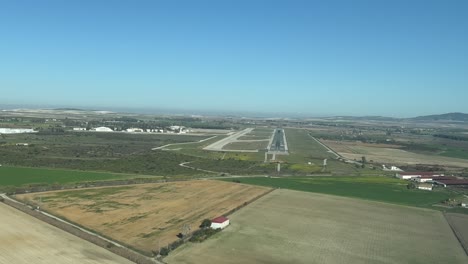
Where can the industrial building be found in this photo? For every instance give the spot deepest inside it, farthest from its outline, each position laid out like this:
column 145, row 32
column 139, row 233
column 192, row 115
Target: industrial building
column 410, row 175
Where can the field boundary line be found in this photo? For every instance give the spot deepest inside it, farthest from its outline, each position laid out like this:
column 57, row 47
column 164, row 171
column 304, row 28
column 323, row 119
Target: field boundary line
column 250, row 201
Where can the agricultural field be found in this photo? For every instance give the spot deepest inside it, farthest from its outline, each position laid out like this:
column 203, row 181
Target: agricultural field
column 459, row 224
column 17, row 176
column 147, row 215
column 380, row 188
column 28, row 240
column 390, row 154
column 311, row 228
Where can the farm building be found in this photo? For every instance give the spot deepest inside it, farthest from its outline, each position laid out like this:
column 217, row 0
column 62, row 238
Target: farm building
column 219, row 222
column 452, row 182
column 103, row 129
column 423, row 178
column 410, row 175
column 425, row 186
column 79, row 129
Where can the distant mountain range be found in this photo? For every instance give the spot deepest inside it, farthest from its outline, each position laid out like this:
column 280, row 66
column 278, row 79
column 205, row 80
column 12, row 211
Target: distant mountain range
column 460, row 117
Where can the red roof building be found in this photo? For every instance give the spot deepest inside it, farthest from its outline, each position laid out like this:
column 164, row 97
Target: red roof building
column 219, row 222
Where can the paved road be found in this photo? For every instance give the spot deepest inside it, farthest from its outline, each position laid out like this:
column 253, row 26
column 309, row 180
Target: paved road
column 184, row 143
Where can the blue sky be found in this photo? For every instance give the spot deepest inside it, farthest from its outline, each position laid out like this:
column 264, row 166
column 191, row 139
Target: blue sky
column 375, row 57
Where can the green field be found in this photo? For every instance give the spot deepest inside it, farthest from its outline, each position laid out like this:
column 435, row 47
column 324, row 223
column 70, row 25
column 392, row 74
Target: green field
column 455, row 153
column 382, row 188
column 17, row 176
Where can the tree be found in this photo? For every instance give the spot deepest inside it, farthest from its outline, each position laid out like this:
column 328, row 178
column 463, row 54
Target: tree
column 363, row 160
column 205, row 223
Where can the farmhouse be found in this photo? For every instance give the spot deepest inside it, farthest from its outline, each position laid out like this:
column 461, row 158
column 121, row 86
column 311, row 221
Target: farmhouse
column 219, row 222
column 410, row 175
column 425, row 186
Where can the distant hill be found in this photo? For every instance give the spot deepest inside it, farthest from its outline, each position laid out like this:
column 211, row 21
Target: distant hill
column 68, row 109
column 461, row 117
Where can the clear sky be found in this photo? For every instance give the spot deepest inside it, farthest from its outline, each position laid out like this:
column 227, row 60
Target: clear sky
column 353, row 57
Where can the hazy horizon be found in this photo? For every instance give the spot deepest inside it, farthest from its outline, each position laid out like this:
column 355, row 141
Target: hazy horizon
column 355, row 58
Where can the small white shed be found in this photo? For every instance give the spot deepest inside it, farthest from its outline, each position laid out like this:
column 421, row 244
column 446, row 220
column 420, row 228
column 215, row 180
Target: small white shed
column 219, row 222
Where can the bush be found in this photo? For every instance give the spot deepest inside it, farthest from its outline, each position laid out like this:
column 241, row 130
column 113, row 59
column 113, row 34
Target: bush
column 164, row 251
column 205, row 223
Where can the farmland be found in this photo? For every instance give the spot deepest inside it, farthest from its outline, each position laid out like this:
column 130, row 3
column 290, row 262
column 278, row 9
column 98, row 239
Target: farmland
column 297, row 227
column 27, row 240
column 144, row 215
column 381, row 188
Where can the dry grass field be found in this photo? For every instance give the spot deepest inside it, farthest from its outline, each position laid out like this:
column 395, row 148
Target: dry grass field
column 390, row 154
column 144, row 215
column 459, row 223
column 26, row 240
column 297, row 227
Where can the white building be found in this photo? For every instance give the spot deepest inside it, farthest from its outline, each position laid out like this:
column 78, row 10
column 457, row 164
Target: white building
column 79, row 129
column 423, row 179
column 134, row 130
column 16, row 130
column 219, row 222
column 103, row 129
column 425, row 186
column 410, row 175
